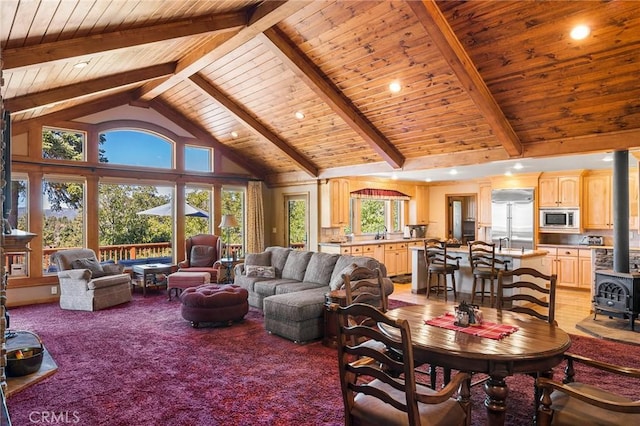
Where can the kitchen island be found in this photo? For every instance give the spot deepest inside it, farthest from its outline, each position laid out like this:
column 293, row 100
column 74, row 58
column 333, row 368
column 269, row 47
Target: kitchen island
column 464, row 280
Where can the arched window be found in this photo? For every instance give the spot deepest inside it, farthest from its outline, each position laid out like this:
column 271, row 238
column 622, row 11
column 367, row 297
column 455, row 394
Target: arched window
column 135, row 148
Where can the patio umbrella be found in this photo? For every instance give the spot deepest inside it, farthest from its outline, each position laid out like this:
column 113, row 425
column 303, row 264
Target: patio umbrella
column 167, row 210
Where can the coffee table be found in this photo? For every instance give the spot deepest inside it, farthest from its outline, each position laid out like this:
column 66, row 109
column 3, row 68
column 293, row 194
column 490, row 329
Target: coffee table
column 149, row 273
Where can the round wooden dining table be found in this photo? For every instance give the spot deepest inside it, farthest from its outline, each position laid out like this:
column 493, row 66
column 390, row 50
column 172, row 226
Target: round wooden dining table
column 535, row 347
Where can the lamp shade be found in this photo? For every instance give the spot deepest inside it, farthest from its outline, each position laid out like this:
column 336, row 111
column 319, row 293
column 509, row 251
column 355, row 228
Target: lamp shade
column 228, row 221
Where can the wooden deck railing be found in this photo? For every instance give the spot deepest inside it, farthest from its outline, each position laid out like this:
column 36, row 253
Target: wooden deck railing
column 119, row 252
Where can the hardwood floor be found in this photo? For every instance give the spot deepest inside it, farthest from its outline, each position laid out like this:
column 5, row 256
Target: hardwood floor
column 572, row 306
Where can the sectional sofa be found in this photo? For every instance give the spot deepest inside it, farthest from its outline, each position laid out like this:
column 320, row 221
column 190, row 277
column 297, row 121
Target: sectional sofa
column 289, row 286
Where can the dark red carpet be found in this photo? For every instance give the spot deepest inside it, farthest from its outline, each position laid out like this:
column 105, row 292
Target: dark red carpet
column 142, row 364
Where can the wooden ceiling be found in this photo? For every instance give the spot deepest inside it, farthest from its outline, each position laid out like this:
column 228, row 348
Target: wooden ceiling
column 483, row 80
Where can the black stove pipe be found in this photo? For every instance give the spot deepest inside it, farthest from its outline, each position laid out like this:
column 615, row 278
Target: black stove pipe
column 621, row 211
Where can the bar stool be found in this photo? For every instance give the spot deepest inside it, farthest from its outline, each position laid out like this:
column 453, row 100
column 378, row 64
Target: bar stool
column 484, row 267
column 440, row 264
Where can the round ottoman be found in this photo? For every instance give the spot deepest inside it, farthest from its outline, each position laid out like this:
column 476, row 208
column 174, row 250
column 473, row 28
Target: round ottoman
column 214, row 303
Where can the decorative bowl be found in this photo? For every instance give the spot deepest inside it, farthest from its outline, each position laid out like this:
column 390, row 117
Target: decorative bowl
column 24, row 361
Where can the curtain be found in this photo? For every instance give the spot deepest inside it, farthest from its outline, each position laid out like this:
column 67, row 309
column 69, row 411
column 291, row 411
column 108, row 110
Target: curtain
column 255, row 218
column 380, row 194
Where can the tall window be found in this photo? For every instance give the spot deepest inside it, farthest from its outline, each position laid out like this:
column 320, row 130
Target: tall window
column 297, row 221
column 128, row 227
column 18, row 215
column 198, row 221
column 63, row 212
column 233, row 203
column 135, row 148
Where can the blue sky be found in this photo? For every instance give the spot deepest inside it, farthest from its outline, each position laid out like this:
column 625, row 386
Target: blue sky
column 147, row 150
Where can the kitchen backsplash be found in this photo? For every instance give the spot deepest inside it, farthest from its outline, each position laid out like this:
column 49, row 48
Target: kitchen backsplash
column 581, row 239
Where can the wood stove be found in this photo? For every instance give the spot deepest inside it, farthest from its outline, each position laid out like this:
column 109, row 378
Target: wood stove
column 617, row 294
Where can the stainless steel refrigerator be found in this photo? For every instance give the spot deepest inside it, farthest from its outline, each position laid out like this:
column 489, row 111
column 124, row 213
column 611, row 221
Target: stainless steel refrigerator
column 512, row 217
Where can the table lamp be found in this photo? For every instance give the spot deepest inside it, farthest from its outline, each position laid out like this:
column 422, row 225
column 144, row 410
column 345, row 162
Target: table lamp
column 228, row 221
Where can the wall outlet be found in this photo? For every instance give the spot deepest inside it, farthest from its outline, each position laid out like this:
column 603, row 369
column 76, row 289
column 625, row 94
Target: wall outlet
column 54, row 290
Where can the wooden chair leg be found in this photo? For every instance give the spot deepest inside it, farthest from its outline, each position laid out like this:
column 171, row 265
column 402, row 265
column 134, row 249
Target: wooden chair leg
column 428, row 283
column 444, row 286
column 453, row 285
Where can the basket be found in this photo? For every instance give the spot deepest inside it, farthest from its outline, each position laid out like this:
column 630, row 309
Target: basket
column 26, row 360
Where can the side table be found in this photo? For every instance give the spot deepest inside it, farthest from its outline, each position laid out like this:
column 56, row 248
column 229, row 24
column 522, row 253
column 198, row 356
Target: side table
column 330, row 329
column 149, row 274
column 228, row 263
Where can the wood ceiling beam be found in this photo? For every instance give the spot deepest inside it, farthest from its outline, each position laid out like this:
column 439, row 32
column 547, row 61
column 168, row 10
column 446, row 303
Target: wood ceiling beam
column 611, row 141
column 98, row 43
column 436, row 25
column 204, row 136
column 265, row 15
column 253, row 124
column 102, row 104
column 89, row 87
column 313, row 77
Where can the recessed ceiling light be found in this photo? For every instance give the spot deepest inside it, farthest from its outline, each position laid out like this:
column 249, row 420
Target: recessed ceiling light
column 453, row 172
column 607, row 158
column 507, row 173
column 234, row 134
column 395, row 87
column 518, row 166
column 299, row 115
column 81, row 64
column 580, row 32
column 394, row 176
column 427, row 180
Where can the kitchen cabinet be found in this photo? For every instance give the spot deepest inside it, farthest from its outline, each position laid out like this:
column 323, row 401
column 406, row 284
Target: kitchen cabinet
column 598, row 200
column 585, row 273
column 335, row 203
column 419, row 206
column 564, row 263
column 395, row 258
column 484, row 204
column 571, row 265
column 559, row 191
column 374, row 250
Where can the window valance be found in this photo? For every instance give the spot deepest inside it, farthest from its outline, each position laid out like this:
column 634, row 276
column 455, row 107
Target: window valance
column 380, row 194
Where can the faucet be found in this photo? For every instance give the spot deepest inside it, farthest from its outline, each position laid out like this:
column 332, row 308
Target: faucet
column 384, row 233
column 500, row 240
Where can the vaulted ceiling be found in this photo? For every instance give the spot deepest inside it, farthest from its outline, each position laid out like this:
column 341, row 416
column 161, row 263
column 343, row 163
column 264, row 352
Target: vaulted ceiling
column 480, row 80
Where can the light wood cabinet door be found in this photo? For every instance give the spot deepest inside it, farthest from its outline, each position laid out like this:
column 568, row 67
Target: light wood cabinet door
column 567, row 267
column 585, row 272
column 597, row 211
column 340, row 199
column 569, row 191
column 559, row 191
column 484, row 205
column 548, row 190
column 419, row 206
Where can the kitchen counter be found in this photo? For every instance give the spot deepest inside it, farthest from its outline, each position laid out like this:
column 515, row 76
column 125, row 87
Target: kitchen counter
column 464, row 279
column 368, row 242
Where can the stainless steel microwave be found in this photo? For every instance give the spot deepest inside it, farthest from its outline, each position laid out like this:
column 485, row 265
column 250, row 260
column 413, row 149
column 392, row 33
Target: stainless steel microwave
column 560, row 219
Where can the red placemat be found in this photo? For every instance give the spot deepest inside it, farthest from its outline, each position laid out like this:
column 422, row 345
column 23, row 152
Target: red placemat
column 486, row 329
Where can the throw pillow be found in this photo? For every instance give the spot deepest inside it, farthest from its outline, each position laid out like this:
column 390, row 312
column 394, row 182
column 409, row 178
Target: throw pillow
column 337, row 282
column 260, row 271
column 259, row 259
column 90, row 264
column 202, row 256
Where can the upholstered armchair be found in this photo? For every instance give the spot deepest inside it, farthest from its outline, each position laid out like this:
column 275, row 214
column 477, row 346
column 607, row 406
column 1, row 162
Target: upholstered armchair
column 86, row 285
column 203, row 253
